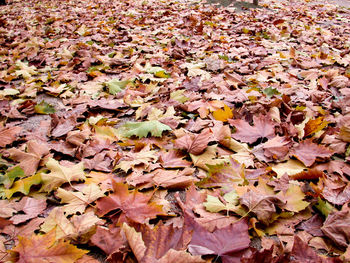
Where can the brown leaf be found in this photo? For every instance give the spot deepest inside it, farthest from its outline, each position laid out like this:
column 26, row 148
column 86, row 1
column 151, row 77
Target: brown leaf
column 8, row 135
column 134, row 205
column 31, row 207
column 204, row 242
column 110, row 240
column 44, row 248
column 307, row 152
column 336, row 227
column 173, row 159
column 194, row 144
column 263, row 128
column 29, row 160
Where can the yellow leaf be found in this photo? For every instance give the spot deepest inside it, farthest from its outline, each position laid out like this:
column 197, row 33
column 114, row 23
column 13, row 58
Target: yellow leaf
column 61, row 174
column 23, row 186
column 223, row 114
column 290, row 167
column 294, row 197
column 77, row 201
column 44, row 248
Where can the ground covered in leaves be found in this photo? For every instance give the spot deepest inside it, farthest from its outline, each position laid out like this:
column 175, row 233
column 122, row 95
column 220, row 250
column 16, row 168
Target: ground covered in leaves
column 171, row 131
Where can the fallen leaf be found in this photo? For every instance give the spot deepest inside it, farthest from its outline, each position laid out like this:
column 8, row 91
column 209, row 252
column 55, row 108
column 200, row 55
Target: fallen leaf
column 194, row 143
column 45, row 248
column 134, row 205
column 60, row 174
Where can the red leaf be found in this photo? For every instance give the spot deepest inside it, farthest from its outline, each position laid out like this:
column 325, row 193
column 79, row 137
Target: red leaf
column 8, row 135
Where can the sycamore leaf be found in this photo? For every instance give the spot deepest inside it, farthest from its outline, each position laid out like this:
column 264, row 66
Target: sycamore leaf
column 294, row 198
column 110, row 240
column 7, row 209
column 208, row 157
column 61, row 174
column 8, row 135
column 31, row 208
column 29, row 161
column 160, row 244
column 84, row 226
column 263, row 128
column 115, row 85
column 291, row 167
column 270, row 92
column 307, row 152
column 134, row 205
column 223, row 114
column 158, row 72
column 23, row 186
column 45, row 248
column 130, row 159
column 58, row 222
column 324, row 207
column 194, row 143
column 336, row 227
column 313, row 126
column 44, row 108
column 11, row 175
column 204, row 242
column 77, row 201
column 214, row 204
column 141, row 129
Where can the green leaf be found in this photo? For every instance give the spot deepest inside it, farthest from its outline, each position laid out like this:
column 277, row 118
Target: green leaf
column 141, row 129
column 324, row 207
column 44, row 108
column 11, row 175
column 269, row 92
column 23, row 186
column 158, row 72
column 115, row 86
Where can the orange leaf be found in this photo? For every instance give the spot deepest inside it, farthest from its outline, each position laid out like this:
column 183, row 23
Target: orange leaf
column 313, row 126
column 223, row 114
column 44, row 248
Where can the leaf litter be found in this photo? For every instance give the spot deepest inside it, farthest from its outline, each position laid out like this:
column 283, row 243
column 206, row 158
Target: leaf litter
column 174, row 131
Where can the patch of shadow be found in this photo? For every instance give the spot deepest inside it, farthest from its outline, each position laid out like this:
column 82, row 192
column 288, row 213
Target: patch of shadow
column 239, row 5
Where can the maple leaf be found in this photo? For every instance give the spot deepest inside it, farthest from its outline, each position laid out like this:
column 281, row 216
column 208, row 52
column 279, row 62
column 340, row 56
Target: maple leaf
column 161, row 244
column 291, row 167
column 8, row 135
column 60, row 174
column 77, row 201
column 115, row 85
column 45, row 248
column 263, row 128
column 141, row 129
column 307, row 152
column 194, row 143
column 29, row 161
column 134, row 205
